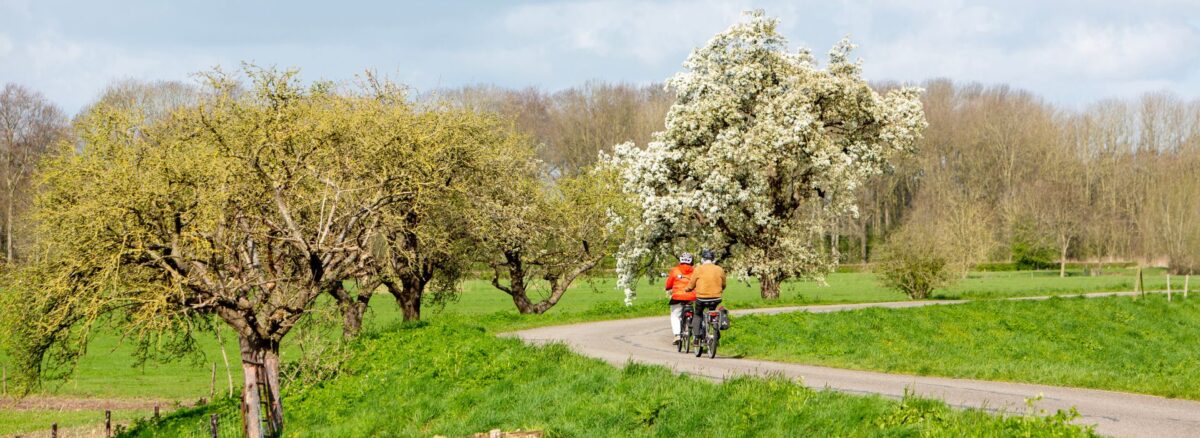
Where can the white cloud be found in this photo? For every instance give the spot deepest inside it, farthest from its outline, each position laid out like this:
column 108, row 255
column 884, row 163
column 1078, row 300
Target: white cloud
column 72, row 73
column 650, row 32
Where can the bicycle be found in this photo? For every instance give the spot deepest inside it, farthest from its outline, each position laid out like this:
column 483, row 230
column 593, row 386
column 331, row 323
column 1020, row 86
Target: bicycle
column 685, row 328
column 710, row 334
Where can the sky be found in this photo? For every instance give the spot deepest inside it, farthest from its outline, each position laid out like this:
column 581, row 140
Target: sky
column 1071, row 52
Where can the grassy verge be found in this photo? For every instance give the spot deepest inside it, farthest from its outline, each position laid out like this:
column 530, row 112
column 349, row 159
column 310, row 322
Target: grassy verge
column 1137, row 345
column 455, row 379
column 25, row 421
column 109, row 369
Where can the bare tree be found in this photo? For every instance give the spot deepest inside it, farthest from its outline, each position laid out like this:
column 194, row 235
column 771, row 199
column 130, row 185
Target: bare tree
column 29, row 126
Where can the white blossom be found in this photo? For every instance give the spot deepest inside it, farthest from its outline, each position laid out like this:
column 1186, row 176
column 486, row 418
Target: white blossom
column 762, row 150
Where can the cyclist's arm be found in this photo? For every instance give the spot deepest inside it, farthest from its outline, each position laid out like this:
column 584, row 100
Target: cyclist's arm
column 671, row 280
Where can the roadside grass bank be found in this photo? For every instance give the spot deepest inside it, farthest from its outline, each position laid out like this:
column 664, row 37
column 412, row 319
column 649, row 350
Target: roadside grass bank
column 1144, row 345
column 454, row 378
column 110, row 369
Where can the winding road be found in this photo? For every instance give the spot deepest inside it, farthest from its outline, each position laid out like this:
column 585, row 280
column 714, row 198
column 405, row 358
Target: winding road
column 648, row 340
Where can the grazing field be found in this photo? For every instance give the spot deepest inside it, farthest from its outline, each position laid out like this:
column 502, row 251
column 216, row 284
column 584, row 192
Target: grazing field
column 1145, row 345
column 110, row 370
column 455, row 379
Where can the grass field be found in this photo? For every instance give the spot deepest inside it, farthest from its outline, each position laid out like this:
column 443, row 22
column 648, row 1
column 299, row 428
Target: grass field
column 455, row 379
column 108, row 370
column 1145, row 345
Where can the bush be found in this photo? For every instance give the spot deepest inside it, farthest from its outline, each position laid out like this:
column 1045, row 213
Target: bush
column 916, row 262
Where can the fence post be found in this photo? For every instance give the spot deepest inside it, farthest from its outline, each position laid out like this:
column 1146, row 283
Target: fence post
column 212, row 385
column 213, row 425
column 53, row 430
column 1186, row 279
column 156, row 411
column 1141, row 282
column 1137, row 286
column 107, row 424
column 1168, row 287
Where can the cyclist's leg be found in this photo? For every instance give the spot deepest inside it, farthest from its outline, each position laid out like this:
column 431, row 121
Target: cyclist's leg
column 676, row 316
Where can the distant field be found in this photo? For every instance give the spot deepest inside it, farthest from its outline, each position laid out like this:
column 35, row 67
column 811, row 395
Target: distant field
column 108, row 370
column 1145, row 345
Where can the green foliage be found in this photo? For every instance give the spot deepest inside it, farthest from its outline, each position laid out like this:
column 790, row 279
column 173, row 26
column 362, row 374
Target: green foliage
column 1115, row 343
column 455, row 379
column 915, row 262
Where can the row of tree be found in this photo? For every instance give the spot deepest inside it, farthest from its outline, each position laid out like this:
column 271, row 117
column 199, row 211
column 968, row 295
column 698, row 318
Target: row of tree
column 168, row 209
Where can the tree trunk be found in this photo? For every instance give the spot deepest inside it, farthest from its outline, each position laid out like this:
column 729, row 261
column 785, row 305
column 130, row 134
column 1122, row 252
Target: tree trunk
column 353, row 307
column 8, row 227
column 260, row 374
column 770, row 286
column 1062, row 261
column 408, row 294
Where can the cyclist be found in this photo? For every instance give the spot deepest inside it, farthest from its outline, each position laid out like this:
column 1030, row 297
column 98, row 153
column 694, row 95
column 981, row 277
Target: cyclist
column 677, row 283
column 708, row 282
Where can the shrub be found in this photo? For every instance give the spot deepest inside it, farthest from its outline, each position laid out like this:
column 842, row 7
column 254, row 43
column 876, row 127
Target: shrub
column 916, row 262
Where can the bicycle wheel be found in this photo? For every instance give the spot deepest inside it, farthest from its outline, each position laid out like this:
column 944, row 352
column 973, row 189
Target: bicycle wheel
column 713, row 341
column 683, row 335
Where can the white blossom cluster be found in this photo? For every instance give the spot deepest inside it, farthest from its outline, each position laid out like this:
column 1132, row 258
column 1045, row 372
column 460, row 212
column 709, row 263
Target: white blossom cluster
column 762, row 149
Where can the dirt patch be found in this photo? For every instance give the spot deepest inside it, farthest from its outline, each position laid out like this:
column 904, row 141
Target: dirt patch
column 49, row 403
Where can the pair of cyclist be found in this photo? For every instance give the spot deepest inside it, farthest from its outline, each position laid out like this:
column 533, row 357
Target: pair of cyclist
column 702, row 285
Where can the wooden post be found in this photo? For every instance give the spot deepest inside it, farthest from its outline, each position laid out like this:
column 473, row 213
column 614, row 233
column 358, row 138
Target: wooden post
column 1168, row 287
column 1135, row 282
column 212, row 384
column 156, row 410
column 1141, row 286
column 1186, row 279
column 53, row 430
column 212, row 423
column 107, row 424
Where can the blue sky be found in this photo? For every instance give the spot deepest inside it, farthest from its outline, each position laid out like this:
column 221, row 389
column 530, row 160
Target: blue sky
column 1072, row 52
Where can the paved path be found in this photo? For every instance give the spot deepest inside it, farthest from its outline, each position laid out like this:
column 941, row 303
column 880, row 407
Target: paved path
column 648, row 340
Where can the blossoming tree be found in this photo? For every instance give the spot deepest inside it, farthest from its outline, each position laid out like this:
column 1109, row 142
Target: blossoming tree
column 762, row 149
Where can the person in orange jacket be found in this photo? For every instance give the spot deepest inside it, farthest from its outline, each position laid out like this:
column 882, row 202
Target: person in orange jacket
column 678, row 281
column 707, row 287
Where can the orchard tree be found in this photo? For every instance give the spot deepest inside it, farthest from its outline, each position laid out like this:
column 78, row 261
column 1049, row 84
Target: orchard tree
column 428, row 243
column 244, row 207
column 535, row 232
column 762, row 151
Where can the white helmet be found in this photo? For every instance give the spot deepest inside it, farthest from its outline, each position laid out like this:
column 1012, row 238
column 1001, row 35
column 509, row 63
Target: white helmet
column 685, row 258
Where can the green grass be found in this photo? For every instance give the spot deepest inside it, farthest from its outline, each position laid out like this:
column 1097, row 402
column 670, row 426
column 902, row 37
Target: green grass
column 109, row 368
column 1145, row 345
column 14, row 422
column 456, row 379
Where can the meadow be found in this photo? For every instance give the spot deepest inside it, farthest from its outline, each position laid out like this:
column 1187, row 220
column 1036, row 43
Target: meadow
column 110, row 371
column 1143, row 345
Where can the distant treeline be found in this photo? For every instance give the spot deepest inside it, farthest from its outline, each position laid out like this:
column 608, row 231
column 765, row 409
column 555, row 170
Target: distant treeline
column 1026, row 181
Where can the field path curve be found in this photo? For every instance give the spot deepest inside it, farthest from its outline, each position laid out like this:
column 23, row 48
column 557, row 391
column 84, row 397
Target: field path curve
column 648, row 340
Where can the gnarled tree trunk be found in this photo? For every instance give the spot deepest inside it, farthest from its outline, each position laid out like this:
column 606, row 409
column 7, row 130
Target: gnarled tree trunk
column 262, row 404
column 408, row 288
column 354, row 307
column 517, row 286
column 769, row 285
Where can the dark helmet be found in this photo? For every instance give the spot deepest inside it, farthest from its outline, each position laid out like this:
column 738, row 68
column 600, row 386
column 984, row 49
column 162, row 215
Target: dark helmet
column 685, row 258
column 707, row 254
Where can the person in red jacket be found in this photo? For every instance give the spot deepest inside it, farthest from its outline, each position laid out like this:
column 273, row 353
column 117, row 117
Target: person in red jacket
column 678, row 281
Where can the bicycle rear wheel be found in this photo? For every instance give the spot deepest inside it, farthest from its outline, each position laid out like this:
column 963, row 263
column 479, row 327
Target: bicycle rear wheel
column 713, row 341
